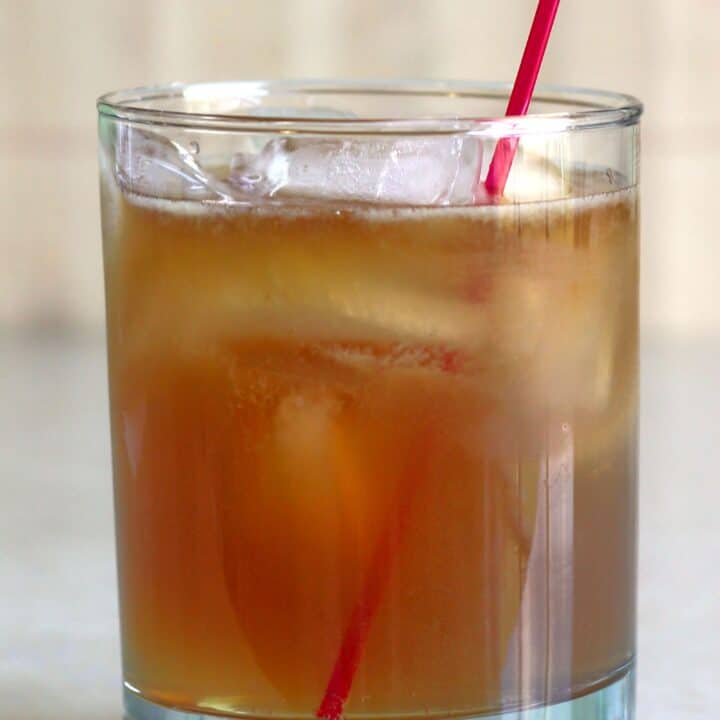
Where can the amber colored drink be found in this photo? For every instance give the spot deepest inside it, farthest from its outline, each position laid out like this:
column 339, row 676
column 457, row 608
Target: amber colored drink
column 430, row 412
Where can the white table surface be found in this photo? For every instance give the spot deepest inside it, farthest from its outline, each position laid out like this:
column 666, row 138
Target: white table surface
column 59, row 656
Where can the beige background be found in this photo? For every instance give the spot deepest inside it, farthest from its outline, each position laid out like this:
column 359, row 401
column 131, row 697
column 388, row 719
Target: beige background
column 58, row 56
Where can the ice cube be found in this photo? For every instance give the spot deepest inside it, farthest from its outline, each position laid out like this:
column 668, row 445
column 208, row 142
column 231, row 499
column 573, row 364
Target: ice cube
column 150, row 164
column 304, row 424
column 438, row 170
column 248, row 146
column 535, row 176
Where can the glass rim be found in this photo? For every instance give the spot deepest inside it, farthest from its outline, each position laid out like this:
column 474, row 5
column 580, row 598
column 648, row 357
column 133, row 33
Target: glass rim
column 597, row 108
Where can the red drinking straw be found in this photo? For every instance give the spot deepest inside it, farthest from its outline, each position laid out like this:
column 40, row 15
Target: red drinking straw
column 358, row 627
column 371, row 594
column 522, row 92
column 356, row 632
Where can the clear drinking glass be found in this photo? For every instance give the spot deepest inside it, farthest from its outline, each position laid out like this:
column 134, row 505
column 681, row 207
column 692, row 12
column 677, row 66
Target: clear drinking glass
column 374, row 431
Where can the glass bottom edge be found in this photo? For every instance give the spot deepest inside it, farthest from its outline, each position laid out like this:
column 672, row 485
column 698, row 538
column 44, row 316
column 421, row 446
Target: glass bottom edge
column 615, row 701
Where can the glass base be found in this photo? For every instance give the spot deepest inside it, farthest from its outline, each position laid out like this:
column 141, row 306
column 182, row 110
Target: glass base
column 613, row 702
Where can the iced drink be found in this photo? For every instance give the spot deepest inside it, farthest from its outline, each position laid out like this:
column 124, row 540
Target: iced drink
column 418, row 416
